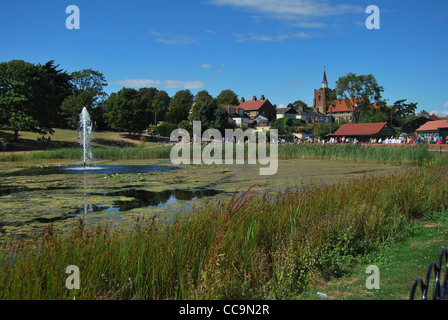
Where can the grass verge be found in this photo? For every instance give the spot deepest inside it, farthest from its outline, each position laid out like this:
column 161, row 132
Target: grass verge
column 250, row 247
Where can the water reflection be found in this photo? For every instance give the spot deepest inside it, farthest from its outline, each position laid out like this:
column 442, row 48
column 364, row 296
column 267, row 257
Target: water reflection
column 143, row 198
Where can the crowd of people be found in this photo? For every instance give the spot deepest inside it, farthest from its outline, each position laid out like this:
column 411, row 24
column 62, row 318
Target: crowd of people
column 43, row 139
column 374, row 141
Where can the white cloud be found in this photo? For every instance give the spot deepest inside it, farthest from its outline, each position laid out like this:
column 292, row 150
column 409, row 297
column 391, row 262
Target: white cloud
column 184, row 84
column 206, row 65
column 439, row 113
column 173, row 39
column 309, row 24
column 291, row 9
column 265, row 38
column 446, row 104
column 136, row 83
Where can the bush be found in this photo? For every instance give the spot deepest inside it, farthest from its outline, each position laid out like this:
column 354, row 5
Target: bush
column 166, row 128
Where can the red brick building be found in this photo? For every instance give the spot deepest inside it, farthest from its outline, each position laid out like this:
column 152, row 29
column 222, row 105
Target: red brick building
column 256, row 107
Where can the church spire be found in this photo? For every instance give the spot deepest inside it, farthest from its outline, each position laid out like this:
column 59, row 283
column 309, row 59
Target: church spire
column 325, row 82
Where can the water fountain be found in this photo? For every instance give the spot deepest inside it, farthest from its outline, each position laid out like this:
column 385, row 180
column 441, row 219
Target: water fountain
column 85, row 126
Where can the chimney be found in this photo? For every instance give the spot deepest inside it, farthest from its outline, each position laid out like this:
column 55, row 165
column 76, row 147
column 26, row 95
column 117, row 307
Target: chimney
column 262, row 97
column 254, row 98
column 243, row 100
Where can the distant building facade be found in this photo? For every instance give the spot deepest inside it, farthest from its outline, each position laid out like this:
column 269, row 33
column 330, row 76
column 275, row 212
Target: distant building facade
column 337, row 109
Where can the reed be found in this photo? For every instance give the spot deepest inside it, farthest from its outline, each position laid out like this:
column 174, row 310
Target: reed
column 253, row 246
column 402, row 155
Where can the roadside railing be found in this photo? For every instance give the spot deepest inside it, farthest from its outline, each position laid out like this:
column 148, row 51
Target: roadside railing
column 440, row 290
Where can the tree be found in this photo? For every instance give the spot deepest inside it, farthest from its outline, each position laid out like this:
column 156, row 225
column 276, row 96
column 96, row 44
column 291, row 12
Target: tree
column 396, row 114
column 401, row 111
column 180, row 105
column 90, row 80
column 123, row 110
column 227, row 97
column 88, row 92
column 60, row 85
column 297, row 104
column 160, row 105
column 201, row 97
column 359, row 92
column 212, row 115
column 322, row 129
column 146, row 111
column 28, row 98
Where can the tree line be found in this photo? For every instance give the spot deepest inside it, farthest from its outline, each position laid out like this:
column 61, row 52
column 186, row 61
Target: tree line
column 41, row 97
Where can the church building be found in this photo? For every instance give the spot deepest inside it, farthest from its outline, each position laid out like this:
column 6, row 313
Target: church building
column 337, row 108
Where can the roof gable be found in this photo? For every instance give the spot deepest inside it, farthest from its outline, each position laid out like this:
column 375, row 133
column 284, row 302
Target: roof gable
column 286, row 110
column 360, row 129
column 253, row 105
column 341, row 105
column 433, row 125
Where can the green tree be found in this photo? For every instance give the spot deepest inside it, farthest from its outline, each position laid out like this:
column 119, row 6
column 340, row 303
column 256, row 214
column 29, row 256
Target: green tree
column 180, row 105
column 60, row 87
column 322, row 129
column 401, row 111
column 227, row 97
column 359, row 92
column 145, row 114
column 297, row 104
column 28, row 99
column 201, row 97
column 160, row 105
column 212, row 115
column 88, row 92
column 123, row 110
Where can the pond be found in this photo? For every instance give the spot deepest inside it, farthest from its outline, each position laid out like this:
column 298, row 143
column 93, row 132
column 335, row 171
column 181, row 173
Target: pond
column 34, row 195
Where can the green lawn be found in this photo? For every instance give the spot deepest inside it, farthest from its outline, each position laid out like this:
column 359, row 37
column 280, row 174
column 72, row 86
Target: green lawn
column 64, row 138
column 399, row 266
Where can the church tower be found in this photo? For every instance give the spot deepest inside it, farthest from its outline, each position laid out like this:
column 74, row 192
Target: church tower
column 321, row 96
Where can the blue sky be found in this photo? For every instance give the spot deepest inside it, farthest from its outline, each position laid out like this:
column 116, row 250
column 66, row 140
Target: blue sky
column 275, row 48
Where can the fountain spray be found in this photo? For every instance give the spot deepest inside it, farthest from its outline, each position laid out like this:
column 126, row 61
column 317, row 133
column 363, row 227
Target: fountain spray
column 85, row 125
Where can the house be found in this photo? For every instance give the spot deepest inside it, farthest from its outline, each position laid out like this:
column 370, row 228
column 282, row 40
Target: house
column 433, row 129
column 237, row 116
column 309, row 116
column 410, row 126
column 337, row 109
column 288, row 112
column 260, row 121
column 365, row 131
column 256, row 107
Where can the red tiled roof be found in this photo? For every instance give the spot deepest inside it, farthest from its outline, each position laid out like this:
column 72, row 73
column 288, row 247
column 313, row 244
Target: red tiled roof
column 433, row 125
column 359, row 129
column 251, row 105
column 341, row 106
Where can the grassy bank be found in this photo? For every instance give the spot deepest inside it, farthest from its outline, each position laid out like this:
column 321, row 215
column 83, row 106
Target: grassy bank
column 402, row 155
column 252, row 246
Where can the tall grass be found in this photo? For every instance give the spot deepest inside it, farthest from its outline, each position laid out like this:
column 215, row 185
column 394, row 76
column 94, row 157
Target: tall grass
column 252, row 246
column 403, row 155
column 161, row 152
